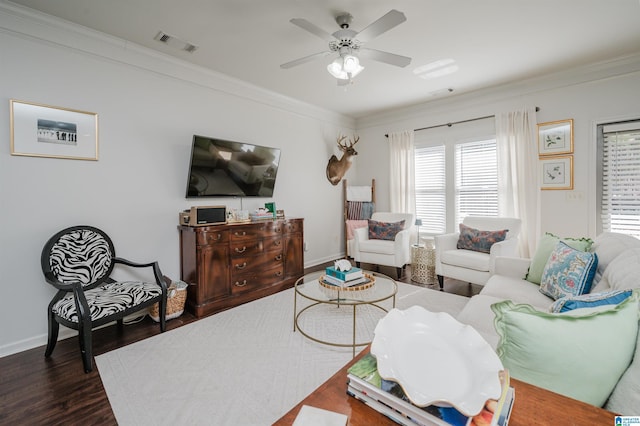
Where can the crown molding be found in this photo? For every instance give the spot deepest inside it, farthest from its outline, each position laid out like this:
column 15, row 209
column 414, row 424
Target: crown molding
column 613, row 68
column 26, row 23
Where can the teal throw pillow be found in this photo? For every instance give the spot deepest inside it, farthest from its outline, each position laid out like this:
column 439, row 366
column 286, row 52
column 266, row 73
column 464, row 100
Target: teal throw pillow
column 545, row 246
column 477, row 240
column 581, row 353
column 384, row 230
column 569, row 272
column 590, row 300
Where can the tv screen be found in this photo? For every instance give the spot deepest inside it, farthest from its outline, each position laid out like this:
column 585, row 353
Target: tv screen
column 221, row 168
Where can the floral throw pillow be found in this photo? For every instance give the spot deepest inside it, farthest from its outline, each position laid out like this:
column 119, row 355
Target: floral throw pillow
column 569, row 272
column 384, row 230
column 476, row 240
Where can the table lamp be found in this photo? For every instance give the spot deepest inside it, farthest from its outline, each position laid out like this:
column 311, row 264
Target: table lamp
column 418, row 224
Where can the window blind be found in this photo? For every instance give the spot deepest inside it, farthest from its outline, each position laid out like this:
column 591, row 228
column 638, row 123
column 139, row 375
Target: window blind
column 476, row 173
column 430, row 187
column 620, row 196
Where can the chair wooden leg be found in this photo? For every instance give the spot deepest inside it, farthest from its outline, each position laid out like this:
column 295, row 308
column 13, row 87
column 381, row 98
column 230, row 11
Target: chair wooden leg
column 84, row 336
column 441, row 282
column 54, row 327
column 399, row 272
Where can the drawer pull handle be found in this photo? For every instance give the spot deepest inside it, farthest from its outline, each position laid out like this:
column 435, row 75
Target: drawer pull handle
column 239, row 284
column 244, row 265
column 278, row 242
column 279, row 257
column 242, row 250
column 278, row 274
column 278, row 230
column 216, row 237
column 240, row 234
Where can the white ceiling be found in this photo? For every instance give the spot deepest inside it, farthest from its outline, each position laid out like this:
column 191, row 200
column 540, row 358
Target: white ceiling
column 492, row 41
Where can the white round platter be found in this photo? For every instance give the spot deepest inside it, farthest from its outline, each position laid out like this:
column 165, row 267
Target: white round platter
column 436, row 359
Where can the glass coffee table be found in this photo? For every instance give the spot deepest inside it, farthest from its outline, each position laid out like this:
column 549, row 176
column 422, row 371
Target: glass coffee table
column 321, row 295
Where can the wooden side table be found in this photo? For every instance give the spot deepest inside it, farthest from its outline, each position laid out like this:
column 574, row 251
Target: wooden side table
column 423, row 264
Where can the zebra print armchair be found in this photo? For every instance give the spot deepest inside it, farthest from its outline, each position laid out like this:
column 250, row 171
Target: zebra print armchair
column 78, row 261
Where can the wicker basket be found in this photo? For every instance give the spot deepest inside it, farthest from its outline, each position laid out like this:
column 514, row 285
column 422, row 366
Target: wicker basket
column 176, row 297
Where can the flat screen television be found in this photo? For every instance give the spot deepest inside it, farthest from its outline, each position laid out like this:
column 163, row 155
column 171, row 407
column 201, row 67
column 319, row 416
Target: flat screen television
column 221, row 168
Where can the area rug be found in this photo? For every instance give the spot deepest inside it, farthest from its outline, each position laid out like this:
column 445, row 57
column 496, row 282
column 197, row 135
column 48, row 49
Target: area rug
column 244, row 366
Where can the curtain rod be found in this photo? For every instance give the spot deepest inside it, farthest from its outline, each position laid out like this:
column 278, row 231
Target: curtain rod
column 455, row 122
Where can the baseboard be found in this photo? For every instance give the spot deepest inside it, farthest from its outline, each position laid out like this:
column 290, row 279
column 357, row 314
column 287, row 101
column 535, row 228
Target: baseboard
column 34, row 342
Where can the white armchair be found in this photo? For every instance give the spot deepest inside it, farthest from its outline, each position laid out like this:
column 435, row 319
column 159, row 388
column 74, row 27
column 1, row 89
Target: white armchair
column 395, row 253
column 474, row 266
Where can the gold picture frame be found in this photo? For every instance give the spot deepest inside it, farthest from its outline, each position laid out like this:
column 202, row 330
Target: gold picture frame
column 39, row 130
column 557, row 172
column 555, row 137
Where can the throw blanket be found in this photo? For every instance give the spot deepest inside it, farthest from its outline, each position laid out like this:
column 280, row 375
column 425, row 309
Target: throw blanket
column 354, row 224
column 360, row 210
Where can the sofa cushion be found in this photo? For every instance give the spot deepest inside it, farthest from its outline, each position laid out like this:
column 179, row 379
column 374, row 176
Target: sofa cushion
column 477, row 240
column 608, row 246
column 573, row 353
column 516, row 289
column 466, row 258
column 377, row 246
column 589, row 300
column 623, row 272
column 478, row 314
column 384, row 230
column 569, row 272
column 545, row 246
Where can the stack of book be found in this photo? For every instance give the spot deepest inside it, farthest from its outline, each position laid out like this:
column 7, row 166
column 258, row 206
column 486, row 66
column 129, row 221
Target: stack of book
column 353, row 276
column 388, row 398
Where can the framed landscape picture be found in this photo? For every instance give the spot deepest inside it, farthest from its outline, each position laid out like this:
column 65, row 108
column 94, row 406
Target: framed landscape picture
column 47, row 131
column 557, row 172
column 555, row 137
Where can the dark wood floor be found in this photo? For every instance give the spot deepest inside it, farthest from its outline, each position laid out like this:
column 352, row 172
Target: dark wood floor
column 56, row 391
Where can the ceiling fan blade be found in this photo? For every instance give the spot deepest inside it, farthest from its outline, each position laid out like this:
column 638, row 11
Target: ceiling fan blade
column 304, row 60
column 312, row 28
column 385, row 23
column 386, row 57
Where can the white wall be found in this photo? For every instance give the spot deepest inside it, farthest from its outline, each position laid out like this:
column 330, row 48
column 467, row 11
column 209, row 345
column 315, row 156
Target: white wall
column 149, row 107
column 591, row 95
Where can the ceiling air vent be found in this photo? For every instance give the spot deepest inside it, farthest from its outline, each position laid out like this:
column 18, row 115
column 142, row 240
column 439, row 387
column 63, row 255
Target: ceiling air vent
column 175, row 42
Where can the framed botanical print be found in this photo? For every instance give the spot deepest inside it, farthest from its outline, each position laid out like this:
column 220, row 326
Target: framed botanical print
column 557, row 172
column 555, row 137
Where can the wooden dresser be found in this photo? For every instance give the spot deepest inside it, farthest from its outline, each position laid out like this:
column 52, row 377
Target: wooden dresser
column 230, row 264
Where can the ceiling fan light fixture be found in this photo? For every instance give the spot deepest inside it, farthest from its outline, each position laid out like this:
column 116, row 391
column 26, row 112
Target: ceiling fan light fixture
column 345, row 67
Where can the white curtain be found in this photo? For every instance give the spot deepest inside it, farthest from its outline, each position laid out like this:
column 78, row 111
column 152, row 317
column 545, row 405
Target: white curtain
column 402, row 177
column 518, row 184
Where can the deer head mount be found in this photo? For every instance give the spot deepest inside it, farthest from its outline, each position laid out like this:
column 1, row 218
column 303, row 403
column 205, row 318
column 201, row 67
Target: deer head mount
column 336, row 169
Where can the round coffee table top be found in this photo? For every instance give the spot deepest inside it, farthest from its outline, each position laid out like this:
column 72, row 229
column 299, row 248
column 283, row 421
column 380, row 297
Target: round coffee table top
column 308, row 287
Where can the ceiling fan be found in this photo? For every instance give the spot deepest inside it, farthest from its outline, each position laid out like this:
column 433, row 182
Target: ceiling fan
column 349, row 45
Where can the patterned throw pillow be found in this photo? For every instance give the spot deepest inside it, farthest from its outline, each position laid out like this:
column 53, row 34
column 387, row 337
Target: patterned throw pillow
column 476, row 240
column 384, row 230
column 545, row 246
column 590, row 300
column 569, row 272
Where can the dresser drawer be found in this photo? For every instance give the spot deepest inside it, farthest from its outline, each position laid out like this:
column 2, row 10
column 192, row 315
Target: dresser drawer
column 292, row 226
column 272, row 228
column 241, row 265
column 244, row 232
column 245, row 248
column 212, row 237
column 254, row 280
column 272, row 244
